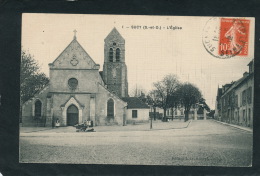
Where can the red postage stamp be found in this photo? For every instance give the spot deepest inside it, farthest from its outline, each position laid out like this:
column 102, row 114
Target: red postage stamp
column 233, row 39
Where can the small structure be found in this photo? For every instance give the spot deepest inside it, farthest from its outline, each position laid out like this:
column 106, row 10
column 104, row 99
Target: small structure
column 137, row 111
column 201, row 113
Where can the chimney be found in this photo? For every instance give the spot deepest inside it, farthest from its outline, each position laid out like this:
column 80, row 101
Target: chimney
column 245, row 74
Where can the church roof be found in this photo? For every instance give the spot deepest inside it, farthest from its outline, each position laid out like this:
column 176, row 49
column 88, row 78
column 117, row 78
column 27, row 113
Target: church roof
column 105, row 88
column 74, row 49
column 114, row 34
column 135, row 103
column 101, row 74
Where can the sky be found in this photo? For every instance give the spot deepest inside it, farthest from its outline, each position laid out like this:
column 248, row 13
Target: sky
column 174, row 47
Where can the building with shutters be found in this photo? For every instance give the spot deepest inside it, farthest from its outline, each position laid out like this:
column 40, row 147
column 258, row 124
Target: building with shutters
column 78, row 91
column 235, row 101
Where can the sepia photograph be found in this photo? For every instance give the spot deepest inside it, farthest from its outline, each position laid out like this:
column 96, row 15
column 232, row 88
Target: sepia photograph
column 136, row 90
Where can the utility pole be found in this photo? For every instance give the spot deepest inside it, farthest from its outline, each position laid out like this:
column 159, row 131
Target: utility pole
column 151, row 118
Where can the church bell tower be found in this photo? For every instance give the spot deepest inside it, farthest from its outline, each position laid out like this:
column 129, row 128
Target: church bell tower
column 114, row 68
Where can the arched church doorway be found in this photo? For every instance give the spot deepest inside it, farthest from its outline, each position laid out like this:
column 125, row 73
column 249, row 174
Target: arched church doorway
column 72, row 115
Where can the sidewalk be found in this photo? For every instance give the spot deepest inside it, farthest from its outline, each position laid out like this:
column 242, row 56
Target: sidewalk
column 235, row 126
column 157, row 125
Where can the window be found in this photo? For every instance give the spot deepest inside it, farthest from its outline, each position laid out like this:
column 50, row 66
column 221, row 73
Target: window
column 134, row 113
column 110, row 108
column 236, row 101
column 249, row 95
column 38, row 109
column 118, row 55
column 73, row 83
column 249, row 116
column 244, row 97
column 110, row 55
column 244, row 115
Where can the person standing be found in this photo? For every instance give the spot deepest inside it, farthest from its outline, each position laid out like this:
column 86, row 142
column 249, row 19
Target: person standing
column 57, row 123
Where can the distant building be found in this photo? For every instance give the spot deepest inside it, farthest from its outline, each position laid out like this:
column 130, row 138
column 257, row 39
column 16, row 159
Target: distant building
column 197, row 112
column 175, row 113
column 234, row 101
column 217, row 114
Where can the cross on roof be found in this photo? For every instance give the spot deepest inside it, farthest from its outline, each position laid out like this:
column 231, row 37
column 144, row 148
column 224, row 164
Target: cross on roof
column 75, row 31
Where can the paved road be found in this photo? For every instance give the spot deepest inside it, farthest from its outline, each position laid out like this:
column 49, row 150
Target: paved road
column 203, row 143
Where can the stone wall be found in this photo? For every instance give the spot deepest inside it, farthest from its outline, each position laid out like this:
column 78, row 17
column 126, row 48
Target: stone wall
column 87, row 81
column 101, row 108
column 243, row 113
column 28, row 109
column 142, row 115
column 62, row 101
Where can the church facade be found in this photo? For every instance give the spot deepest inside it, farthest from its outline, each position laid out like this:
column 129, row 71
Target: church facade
column 78, row 91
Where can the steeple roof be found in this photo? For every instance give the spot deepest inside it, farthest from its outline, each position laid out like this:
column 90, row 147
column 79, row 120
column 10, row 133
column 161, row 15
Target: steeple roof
column 114, row 34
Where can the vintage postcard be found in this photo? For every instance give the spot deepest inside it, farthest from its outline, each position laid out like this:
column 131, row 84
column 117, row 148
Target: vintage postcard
column 137, row 90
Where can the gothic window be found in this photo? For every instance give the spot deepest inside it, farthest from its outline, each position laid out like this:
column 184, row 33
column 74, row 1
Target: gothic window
column 38, row 109
column 118, row 55
column 73, row 83
column 110, row 108
column 110, row 55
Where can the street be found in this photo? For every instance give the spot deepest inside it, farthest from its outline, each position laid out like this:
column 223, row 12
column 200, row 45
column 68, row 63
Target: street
column 202, row 143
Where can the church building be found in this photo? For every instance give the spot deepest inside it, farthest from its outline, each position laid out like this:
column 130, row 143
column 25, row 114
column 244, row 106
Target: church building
column 78, row 91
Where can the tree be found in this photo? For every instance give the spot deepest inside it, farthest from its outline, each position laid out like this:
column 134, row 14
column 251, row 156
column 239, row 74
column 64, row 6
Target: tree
column 202, row 102
column 164, row 91
column 153, row 101
column 174, row 101
column 189, row 95
column 31, row 79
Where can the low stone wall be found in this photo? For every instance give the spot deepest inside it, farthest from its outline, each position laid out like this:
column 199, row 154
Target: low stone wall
column 134, row 122
column 29, row 121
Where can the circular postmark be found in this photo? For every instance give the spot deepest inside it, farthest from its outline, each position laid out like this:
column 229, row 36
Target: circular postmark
column 225, row 37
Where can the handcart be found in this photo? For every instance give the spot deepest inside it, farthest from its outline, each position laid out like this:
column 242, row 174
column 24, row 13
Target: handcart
column 83, row 127
column 80, row 127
